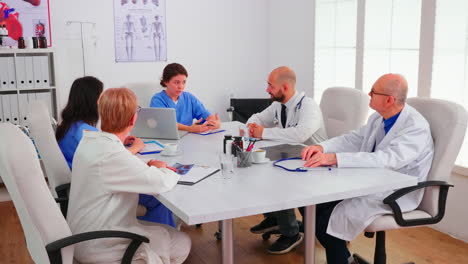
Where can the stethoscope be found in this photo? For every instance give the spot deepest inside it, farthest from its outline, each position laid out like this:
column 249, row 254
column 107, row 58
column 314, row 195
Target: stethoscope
column 297, row 108
column 300, row 169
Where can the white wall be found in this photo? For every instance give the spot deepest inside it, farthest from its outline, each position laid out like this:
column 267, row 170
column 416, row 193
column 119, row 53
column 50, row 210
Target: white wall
column 223, row 45
column 456, row 216
column 291, row 39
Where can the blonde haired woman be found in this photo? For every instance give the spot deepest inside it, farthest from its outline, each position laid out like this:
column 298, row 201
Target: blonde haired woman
column 106, row 181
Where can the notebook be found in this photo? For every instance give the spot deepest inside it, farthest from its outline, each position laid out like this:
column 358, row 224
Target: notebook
column 191, row 173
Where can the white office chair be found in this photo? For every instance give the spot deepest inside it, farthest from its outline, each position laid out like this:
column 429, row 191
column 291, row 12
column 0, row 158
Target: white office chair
column 448, row 122
column 144, row 91
column 344, row 109
column 56, row 168
column 48, row 235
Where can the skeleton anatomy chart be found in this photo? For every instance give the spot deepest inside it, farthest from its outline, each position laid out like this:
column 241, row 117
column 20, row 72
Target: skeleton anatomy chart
column 140, row 30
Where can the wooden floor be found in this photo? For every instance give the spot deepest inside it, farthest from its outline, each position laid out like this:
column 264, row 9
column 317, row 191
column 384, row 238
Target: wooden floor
column 422, row 245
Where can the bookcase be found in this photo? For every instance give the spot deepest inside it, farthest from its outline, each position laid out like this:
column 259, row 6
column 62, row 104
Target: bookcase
column 26, row 75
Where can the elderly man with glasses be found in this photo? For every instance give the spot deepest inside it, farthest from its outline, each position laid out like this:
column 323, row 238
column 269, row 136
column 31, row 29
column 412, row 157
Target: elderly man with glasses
column 396, row 137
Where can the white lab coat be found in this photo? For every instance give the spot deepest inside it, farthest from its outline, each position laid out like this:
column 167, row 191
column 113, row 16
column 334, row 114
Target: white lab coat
column 106, row 181
column 407, row 148
column 304, row 123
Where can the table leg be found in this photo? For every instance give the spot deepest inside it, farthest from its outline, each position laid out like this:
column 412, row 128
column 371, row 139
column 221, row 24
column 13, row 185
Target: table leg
column 227, row 242
column 309, row 233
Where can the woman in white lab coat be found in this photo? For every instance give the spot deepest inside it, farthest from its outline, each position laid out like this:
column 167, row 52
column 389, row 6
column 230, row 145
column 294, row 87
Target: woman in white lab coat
column 397, row 137
column 106, row 181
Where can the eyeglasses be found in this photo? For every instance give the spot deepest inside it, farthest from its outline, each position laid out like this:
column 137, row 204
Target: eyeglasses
column 138, row 109
column 372, row 93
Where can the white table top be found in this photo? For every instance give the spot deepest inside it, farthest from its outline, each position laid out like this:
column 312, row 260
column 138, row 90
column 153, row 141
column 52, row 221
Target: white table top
column 262, row 187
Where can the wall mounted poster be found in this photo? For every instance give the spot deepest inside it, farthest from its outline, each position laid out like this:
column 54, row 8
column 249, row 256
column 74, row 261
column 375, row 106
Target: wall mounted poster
column 25, row 18
column 140, row 30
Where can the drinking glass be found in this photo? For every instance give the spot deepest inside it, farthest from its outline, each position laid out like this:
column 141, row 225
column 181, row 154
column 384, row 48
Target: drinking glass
column 227, row 163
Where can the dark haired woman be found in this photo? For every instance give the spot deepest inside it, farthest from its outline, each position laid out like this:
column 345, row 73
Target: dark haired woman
column 187, row 106
column 80, row 113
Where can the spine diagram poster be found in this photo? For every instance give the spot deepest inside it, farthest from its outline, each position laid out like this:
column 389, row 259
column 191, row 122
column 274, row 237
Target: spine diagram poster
column 140, row 30
column 25, row 18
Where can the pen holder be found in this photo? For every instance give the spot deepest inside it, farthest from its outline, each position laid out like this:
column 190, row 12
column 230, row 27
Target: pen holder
column 244, row 159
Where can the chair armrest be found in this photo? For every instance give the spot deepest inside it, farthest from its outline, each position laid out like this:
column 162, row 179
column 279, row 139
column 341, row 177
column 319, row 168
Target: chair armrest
column 63, row 192
column 230, row 109
column 392, row 198
column 55, row 255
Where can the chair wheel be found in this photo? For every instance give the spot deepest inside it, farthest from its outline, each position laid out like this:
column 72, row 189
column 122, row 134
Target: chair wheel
column 218, row 235
column 266, row 236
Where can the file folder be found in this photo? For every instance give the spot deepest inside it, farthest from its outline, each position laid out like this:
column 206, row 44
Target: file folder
column 14, row 110
column 21, row 72
column 1, row 110
column 3, row 73
column 6, row 107
column 11, row 73
column 45, row 97
column 37, row 71
column 24, row 109
column 45, row 71
column 28, row 63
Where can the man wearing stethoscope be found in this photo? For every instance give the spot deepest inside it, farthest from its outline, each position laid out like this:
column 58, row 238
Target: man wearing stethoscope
column 291, row 118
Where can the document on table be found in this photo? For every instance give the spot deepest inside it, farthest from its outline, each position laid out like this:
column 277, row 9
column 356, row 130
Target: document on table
column 191, row 173
column 152, row 147
column 209, row 132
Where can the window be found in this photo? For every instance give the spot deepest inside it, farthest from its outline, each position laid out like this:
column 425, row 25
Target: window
column 335, row 48
column 391, row 41
column 450, row 67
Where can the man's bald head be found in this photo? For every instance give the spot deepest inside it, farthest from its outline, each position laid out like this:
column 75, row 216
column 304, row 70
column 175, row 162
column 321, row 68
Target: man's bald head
column 395, row 85
column 284, row 74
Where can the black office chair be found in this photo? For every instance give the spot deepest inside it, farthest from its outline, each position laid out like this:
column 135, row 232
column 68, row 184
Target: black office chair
column 242, row 109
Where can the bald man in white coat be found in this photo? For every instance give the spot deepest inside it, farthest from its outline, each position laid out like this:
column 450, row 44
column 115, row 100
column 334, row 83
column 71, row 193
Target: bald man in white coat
column 397, row 137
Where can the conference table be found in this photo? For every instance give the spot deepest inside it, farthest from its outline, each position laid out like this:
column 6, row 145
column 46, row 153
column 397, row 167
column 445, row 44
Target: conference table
column 263, row 188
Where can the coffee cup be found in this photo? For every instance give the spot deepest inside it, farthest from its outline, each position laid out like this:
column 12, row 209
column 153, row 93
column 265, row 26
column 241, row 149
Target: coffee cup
column 258, row 155
column 171, row 148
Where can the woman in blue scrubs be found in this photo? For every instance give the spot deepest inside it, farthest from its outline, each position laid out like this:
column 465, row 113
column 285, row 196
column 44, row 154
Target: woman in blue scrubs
column 81, row 113
column 187, row 106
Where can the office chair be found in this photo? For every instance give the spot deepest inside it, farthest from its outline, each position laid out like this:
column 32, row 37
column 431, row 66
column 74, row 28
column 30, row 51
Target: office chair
column 144, row 91
column 242, row 109
column 48, row 236
column 55, row 165
column 343, row 109
column 448, row 122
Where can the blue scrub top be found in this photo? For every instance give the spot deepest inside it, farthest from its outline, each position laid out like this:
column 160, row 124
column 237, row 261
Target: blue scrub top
column 70, row 141
column 187, row 108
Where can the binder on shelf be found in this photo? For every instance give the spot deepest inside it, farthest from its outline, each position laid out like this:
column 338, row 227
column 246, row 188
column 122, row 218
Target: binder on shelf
column 45, row 71
column 6, row 107
column 1, row 110
column 14, row 110
column 21, row 72
column 37, row 71
column 45, row 97
column 3, row 74
column 31, row 97
column 24, row 109
column 11, row 73
column 28, row 62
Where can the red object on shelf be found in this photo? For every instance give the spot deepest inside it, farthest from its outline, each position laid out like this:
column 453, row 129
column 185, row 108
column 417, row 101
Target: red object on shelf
column 33, row 2
column 14, row 27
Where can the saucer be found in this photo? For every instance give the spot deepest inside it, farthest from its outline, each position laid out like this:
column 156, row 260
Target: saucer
column 163, row 153
column 265, row 160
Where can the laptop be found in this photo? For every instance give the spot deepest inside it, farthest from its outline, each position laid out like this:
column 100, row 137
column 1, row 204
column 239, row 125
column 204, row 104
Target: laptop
column 157, row 123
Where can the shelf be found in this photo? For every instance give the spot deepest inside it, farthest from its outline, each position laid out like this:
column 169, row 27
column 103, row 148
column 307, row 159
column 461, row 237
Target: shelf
column 36, row 90
column 25, row 51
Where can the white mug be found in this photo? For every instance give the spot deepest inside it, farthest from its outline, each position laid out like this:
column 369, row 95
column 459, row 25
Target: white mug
column 171, row 148
column 258, row 155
